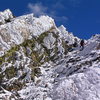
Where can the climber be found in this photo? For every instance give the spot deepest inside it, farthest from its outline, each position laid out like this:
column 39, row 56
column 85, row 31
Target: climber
column 82, row 44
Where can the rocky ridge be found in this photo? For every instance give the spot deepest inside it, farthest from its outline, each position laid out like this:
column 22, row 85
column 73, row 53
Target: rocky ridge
column 38, row 61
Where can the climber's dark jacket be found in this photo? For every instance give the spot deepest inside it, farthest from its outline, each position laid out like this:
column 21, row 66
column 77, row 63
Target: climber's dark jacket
column 82, row 43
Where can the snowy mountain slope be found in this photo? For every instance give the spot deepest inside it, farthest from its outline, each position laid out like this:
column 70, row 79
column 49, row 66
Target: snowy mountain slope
column 68, row 80
column 41, row 62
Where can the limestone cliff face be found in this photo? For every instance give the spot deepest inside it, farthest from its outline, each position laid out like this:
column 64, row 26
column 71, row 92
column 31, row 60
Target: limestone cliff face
column 27, row 42
column 21, row 28
column 39, row 61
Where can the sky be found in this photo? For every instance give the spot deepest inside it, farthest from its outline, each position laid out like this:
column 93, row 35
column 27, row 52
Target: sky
column 82, row 17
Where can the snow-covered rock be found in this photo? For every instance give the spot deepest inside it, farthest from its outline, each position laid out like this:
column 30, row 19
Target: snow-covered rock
column 49, row 41
column 6, row 16
column 68, row 37
column 38, row 61
column 22, row 28
column 80, row 86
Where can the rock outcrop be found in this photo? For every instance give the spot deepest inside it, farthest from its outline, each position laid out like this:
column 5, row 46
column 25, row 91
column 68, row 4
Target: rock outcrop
column 6, row 16
column 38, row 61
column 22, row 28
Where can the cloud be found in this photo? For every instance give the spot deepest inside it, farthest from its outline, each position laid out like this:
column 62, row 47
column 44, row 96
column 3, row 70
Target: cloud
column 39, row 9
